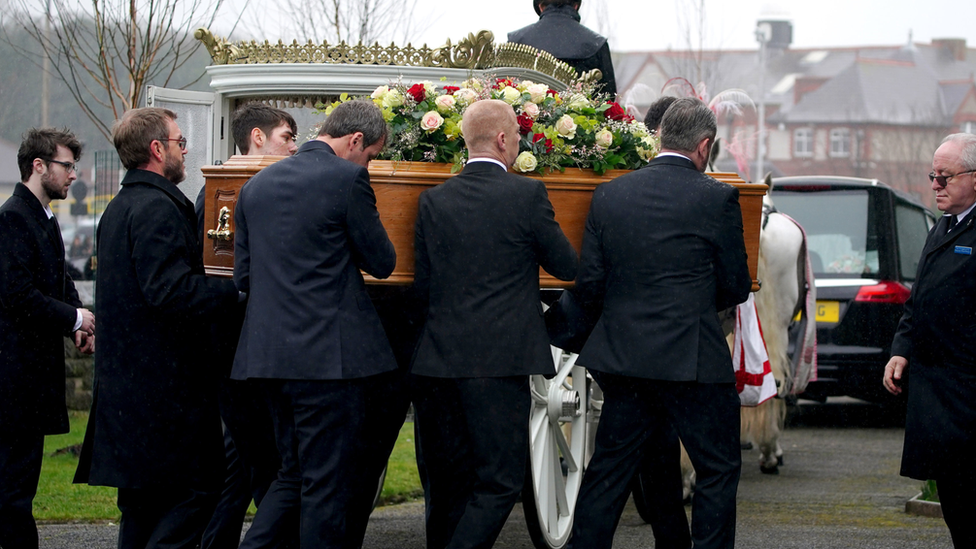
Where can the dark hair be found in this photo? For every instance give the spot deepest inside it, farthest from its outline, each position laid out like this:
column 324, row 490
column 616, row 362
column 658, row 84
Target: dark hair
column 136, row 130
column 686, row 123
column 537, row 4
column 656, row 112
column 255, row 114
column 43, row 143
column 356, row 116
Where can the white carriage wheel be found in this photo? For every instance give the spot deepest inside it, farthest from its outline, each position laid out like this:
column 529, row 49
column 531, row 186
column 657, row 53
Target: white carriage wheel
column 559, row 450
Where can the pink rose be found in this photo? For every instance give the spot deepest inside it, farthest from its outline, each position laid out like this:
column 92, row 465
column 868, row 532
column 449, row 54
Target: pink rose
column 431, row 121
column 531, row 110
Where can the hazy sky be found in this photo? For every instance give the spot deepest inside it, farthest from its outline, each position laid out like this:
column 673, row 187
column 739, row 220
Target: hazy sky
column 634, row 25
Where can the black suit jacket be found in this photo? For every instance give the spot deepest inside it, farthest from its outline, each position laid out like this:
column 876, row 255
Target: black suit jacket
column 305, row 226
column 937, row 334
column 663, row 251
column 154, row 418
column 38, row 307
column 480, row 239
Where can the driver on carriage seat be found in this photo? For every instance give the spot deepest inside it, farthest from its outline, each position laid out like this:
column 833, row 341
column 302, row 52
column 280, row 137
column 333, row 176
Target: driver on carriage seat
column 559, row 32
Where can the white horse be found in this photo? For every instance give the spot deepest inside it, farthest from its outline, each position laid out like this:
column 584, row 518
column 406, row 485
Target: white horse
column 787, row 290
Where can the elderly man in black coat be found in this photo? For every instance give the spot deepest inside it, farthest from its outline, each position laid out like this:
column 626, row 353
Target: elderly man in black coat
column 936, row 344
column 154, row 430
column 663, row 253
column 38, row 308
column 480, row 240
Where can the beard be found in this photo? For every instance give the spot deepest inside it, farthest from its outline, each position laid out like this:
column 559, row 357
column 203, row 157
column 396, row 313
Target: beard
column 53, row 190
column 173, row 169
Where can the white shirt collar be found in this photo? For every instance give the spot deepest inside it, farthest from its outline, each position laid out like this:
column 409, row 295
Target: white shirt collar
column 962, row 215
column 492, row 160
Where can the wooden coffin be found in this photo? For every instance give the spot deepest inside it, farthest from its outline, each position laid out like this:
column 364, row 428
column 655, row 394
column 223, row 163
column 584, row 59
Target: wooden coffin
column 398, row 186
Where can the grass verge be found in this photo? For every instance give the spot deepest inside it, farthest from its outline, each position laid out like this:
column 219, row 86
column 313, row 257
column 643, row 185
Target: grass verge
column 58, row 500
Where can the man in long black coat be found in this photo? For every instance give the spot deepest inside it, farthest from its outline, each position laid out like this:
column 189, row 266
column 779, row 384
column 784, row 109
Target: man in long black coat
column 38, row 308
column 936, row 344
column 306, row 225
column 480, row 239
column 154, row 430
column 559, row 32
column 663, row 252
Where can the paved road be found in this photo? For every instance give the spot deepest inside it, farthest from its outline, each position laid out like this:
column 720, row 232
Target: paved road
column 839, row 488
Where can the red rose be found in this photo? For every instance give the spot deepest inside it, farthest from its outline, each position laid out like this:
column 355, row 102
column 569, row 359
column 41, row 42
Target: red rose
column 498, row 83
column 539, row 137
column 525, row 124
column 449, row 90
column 418, row 92
column 615, row 112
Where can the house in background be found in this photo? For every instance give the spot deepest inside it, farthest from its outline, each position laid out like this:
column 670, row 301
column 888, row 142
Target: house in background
column 874, row 111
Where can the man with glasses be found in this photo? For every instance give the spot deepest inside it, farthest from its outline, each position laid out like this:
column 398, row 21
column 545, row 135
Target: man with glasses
column 154, row 430
column 38, row 308
column 936, row 343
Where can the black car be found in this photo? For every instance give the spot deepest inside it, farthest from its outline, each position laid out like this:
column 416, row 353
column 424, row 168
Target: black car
column 864, row 239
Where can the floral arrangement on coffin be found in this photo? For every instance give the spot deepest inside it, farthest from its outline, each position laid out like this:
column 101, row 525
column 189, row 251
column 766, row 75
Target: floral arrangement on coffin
column 576, row 128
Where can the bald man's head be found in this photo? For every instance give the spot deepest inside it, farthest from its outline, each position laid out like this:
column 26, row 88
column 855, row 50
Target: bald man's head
column 491, row 130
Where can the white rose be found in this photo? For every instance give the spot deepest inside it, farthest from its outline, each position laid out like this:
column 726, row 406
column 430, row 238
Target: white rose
column 537, row 92
column 379, row 92
column 578, row 101
column 445, row 103
column 525, row 162
column 393, row 98
column 431, row 121
column 604, row 138
column 566, row 127
column 510, row 95
column 531, row 110
column 465, row 96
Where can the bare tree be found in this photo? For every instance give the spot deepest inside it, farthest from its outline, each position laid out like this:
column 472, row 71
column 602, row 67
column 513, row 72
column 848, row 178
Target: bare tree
column 106, row 51
column 349, row 21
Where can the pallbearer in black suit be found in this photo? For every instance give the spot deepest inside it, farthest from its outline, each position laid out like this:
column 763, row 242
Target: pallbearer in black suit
column 936, row 344
column 306, row 225
column 38, row 308
column 480, row 239
column 663, row 252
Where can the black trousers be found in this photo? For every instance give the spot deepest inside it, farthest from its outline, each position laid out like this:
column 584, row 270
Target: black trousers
column 319, row 431
column 659, row 479
column 706, row 417
column 163, row 518
column 958, row 508
column 474, row 434
column 20, row 469
column 252, row 460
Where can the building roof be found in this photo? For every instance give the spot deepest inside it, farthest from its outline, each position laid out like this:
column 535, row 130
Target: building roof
column 910, row 84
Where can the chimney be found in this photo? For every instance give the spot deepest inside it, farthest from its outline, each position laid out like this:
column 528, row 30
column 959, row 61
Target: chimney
column 806, row 84
column 955, row 47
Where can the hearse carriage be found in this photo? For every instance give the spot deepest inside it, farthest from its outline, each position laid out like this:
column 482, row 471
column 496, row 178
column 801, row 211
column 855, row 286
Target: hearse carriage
column 299, row 76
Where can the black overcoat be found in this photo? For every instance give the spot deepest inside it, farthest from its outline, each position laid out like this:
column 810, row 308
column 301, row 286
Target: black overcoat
column 663, row 251
column 480, row 239
column 154, row 418
column 38, row 308
column 937, row 334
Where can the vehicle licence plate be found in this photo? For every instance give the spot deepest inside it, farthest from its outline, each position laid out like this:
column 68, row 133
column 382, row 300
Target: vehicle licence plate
column 828, row 311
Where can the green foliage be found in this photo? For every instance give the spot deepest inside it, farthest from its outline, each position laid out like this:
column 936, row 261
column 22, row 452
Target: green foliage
column 402, row 479
column 930, row 492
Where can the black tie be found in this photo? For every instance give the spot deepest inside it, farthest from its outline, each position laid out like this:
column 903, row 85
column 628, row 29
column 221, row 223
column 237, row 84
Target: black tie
column 952, row 222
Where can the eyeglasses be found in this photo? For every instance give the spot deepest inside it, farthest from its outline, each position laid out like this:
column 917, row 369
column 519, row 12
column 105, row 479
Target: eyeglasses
column 181, row 141
column 68, row 166
column 943, row 180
